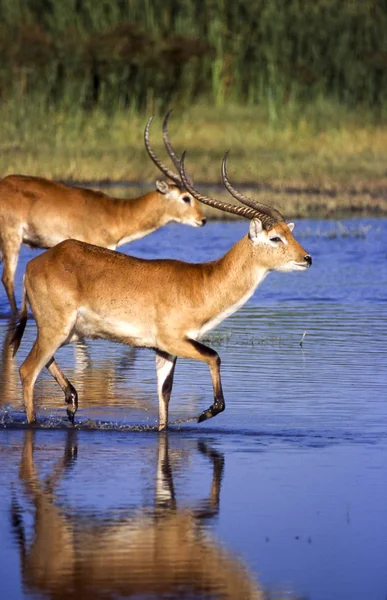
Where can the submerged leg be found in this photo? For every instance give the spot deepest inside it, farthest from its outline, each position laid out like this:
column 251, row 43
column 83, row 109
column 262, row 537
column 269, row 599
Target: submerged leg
column 165, row 366
column 71, row 395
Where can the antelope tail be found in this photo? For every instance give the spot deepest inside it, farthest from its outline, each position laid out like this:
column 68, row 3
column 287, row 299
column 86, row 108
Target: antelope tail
column 21, row 324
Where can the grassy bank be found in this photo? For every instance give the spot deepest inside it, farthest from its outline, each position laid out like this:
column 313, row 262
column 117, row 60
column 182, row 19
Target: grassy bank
column 323, row 147
column 80, row 79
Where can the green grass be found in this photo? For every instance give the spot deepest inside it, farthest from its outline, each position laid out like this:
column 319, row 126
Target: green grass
column 314, row 150
column 136, row 54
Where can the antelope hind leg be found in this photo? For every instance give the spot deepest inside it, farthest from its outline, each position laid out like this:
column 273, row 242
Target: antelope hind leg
column 71, row 395
column 46, row 344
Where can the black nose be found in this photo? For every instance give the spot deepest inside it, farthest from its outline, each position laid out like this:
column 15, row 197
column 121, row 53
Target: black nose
column 204, row 221
column 308, row 259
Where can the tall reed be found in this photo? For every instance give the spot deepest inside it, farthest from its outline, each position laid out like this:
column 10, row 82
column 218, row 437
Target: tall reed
column 151, row 53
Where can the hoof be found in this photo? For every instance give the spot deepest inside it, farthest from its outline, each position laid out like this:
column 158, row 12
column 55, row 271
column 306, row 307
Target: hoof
column 207, row 414
column 211, row 412
column 71, row 399
column 32, row 420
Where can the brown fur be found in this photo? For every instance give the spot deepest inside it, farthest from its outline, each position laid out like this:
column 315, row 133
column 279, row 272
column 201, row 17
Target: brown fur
column 41, row 213
column 77, row 290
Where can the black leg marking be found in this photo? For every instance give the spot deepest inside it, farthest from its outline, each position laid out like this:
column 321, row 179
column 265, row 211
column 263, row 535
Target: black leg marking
column 203, row 349
column 218, row 407
column 71, row 399
column 168, row 383
column 214, row 364
column 165, row 367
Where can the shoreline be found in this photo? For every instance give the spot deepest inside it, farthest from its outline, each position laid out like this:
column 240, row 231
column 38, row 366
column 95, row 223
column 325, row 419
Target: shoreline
column 294, row 201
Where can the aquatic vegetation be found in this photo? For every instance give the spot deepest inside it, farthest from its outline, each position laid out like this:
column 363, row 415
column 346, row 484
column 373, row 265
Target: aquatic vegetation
column 340, row 230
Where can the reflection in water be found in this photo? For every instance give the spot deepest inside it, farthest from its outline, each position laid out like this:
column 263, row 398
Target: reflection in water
column 99, row 381
column 9, row 374
column 163, row 550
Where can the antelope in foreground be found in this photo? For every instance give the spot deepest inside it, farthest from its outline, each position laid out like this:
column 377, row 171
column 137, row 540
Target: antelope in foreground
column 41, row 213
column 160, row 550
column 77, row 290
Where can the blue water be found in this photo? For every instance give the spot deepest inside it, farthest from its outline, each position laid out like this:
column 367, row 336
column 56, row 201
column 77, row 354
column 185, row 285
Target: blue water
column 301, row 501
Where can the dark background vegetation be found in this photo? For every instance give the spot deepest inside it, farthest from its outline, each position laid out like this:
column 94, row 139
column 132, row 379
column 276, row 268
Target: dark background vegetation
column 139, row 54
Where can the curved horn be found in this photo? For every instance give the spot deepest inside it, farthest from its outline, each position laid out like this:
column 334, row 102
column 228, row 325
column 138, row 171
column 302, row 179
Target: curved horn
column 167, row 143
column 230, row 208
column 163, row 168
column 267, row 214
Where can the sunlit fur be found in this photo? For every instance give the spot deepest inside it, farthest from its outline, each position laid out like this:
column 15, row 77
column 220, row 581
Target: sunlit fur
column 41, row 213
column 78, row 290
column 288, row 255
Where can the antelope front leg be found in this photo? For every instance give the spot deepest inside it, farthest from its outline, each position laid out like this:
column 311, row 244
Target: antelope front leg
column 192, row 349
column 165, row 366
column 212, row 358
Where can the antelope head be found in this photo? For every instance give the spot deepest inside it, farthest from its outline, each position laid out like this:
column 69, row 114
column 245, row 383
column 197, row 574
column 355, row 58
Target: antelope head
column 271, row 238
column 182, row 207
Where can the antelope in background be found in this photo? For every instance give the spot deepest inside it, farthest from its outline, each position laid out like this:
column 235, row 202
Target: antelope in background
column 77, row 290
column 41, row 213
column 163, row 550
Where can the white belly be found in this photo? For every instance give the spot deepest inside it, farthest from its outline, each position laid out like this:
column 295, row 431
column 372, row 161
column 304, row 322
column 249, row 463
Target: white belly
column 92, row 324
column 134, row 236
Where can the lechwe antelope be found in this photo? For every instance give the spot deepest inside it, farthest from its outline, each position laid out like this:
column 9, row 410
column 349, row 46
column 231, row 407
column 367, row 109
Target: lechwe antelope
column 79, row 290
column 41, row 213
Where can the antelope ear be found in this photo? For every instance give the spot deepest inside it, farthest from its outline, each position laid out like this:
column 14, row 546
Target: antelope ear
column 291, row 226
column 255, row 230
column 162, row 186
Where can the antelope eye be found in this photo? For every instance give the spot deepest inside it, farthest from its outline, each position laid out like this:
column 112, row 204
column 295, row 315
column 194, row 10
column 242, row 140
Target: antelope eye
column 186, row 199
column 276, row 240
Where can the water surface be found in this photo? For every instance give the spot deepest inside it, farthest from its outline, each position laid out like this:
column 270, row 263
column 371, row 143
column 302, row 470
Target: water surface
column 284, row 493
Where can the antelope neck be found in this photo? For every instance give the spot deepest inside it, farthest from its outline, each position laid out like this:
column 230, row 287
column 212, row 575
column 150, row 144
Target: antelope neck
column 145, row 213
column 231, row 281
